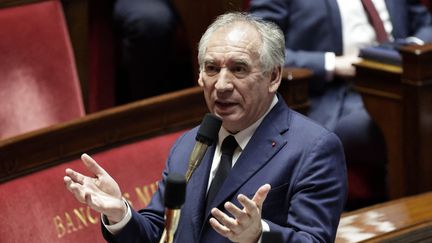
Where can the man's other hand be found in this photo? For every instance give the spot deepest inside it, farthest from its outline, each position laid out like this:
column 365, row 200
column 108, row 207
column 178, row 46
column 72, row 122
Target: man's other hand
column 344, row 66
column 246, row 225
column 99, row 191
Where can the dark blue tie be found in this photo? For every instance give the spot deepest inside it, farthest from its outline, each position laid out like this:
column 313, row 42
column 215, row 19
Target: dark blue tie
column 228, row 146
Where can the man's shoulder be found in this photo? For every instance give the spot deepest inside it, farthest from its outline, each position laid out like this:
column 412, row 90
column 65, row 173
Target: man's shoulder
column 287, row 119
column 299, row 120
column 307, row 129
column 188, row 136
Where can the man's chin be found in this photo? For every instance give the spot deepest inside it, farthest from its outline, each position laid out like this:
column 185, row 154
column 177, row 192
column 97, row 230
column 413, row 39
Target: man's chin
column 226, row 116
column 229, row 121
column 226, row 111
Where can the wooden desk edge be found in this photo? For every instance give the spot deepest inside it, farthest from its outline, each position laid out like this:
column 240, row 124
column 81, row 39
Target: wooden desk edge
column 418, row 214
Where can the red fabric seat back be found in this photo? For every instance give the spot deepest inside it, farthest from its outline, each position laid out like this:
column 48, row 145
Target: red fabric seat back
column 38, row 207
column 39, row 85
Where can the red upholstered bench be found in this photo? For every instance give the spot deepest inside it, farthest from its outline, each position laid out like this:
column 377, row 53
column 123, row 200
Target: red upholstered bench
column 38, row 208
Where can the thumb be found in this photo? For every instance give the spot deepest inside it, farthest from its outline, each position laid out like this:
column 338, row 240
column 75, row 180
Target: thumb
column 261, row 195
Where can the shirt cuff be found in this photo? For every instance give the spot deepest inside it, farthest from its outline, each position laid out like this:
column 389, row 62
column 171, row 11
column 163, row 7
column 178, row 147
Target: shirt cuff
column 329, row 65
column 117, row 227
column 414, row 40
column 265, row 228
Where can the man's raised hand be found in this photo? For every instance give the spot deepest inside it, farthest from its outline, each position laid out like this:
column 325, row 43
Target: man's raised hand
column 245, row 225
column 99, row 190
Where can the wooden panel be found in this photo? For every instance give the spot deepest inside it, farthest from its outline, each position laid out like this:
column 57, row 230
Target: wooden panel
column 295, row 88
column 404, row 220
column 382, row 96
column 399, row 99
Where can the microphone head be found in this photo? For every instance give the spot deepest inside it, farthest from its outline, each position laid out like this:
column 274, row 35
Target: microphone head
column 175, row 191
column 209, row 129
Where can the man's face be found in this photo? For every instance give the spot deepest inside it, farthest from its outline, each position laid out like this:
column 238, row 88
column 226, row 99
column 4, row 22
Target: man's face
column 234, row 86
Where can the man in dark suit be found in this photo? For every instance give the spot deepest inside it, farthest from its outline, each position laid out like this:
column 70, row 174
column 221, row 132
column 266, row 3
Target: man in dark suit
column 287, row 175
column 325, row 37
column 155, row 58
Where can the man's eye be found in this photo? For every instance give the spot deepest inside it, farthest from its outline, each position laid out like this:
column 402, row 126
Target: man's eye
column 240, row 71
column 211, row 70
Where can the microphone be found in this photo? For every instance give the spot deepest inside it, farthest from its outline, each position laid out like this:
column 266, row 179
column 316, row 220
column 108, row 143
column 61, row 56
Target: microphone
column 174, row 197
column 207, row 134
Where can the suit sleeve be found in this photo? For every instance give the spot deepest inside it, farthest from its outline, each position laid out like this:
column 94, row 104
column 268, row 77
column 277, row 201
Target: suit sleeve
column 319, row 194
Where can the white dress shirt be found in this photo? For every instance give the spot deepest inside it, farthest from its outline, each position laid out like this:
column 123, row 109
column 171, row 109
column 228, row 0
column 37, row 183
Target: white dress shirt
column 357, row 32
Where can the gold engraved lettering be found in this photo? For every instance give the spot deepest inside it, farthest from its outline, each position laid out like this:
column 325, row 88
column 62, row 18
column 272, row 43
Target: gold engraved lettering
column 69, row 224
column 146, row 192
column 91, row 219
column 153, row 187
column 58, row 223
column 80, row 215
column 80, row 219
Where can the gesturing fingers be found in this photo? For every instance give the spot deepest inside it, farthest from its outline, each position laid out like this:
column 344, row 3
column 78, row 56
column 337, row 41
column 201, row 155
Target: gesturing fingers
column 222, row 223
column 92, row 165
column 238, row 213
column 245, row 223
column 261, row 195
column 221, row 229
column 77, row 189
column 75, row 176
column 224, row 218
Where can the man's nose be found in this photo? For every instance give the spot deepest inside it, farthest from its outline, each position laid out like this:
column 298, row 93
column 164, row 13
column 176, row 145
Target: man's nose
column 224, row 81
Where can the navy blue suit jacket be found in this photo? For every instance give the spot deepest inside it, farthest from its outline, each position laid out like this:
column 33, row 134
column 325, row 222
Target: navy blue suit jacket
column 303, row 162
column 314, row 27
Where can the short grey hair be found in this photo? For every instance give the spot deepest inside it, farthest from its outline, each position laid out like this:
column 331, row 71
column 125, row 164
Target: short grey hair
column 272, row 53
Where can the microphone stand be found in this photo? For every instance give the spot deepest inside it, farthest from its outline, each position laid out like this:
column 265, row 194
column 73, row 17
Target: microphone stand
column 174, row 215
column 170, row 224
column 174, row 198
column 195, row 158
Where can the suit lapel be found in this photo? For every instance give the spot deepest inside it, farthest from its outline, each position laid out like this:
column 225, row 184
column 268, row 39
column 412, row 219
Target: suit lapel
column 264, row 144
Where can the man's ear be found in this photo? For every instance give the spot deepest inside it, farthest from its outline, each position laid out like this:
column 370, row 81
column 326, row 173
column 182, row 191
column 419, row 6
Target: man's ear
column 275, row 79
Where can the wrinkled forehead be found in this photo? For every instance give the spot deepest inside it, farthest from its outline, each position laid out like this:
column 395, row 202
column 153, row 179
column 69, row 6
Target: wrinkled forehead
column 238, row 35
